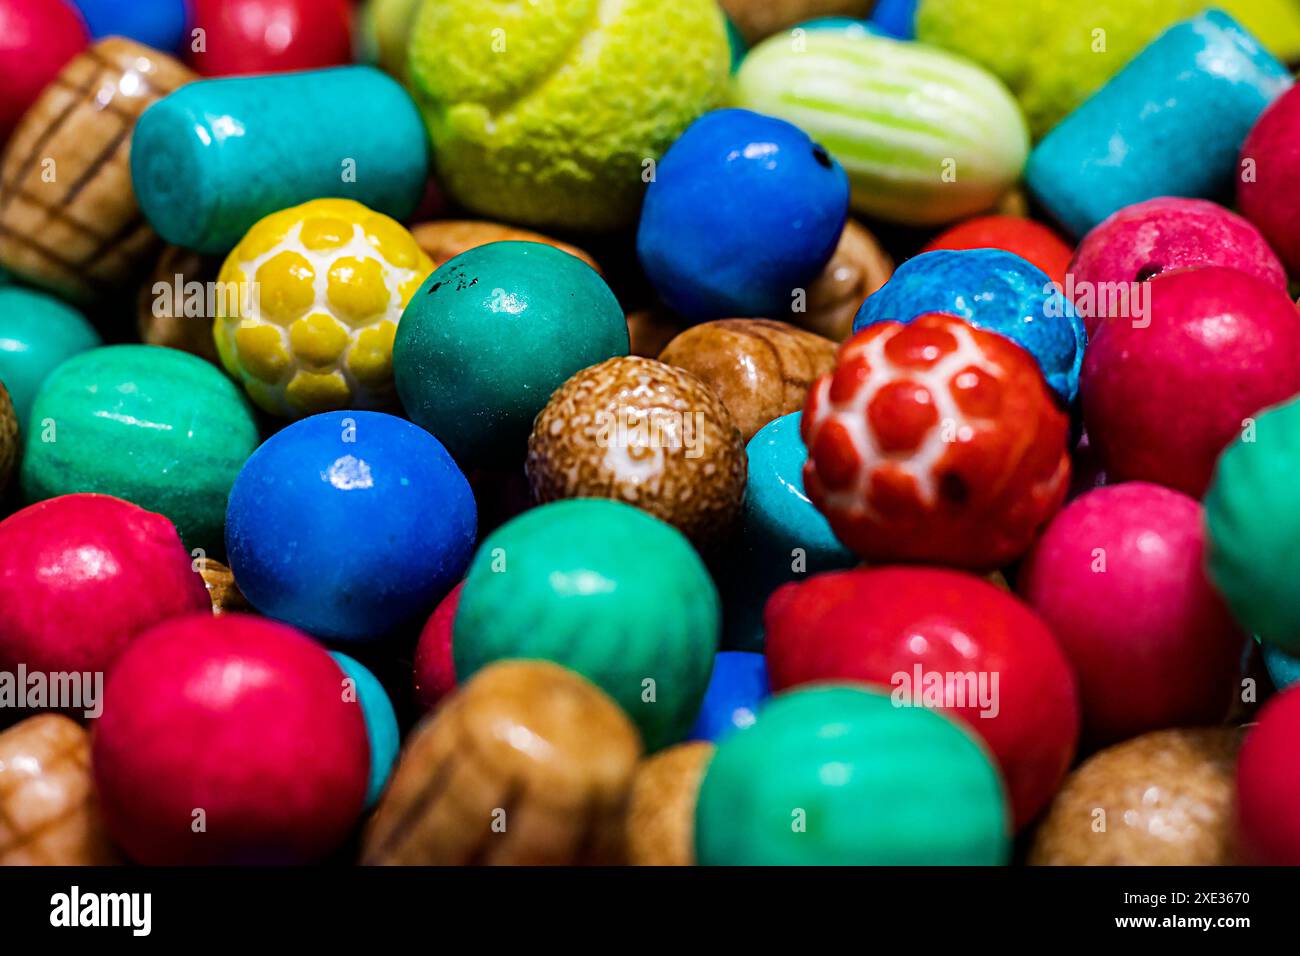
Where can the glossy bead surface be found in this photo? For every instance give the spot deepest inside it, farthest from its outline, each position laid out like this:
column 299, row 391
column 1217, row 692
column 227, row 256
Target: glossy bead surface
column 1032, row 241
column 37, row 332
column 858, row 267
column 156, row 23
column 737, row 689
column 270, row 36
column 382, row 732
column 222, row 589
column 37, row 37
column 172, row 305
column 1268, row 784
column 447, row 238
column 661, row 805
column 1268, row 197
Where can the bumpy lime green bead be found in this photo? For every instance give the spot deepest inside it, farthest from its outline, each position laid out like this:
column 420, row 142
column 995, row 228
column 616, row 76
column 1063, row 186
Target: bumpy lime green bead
column 603, row 589
column 838, row 775
column 156, row 426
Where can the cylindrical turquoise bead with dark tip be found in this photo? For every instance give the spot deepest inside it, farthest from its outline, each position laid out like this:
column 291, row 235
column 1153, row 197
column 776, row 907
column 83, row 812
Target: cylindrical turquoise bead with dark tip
column 37, row 333
column 155, row 426
column 1169, row 124
column 214, row 157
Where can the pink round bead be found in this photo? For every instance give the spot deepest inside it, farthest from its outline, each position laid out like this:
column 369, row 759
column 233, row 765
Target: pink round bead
column 1269, row 170
column 435, row 670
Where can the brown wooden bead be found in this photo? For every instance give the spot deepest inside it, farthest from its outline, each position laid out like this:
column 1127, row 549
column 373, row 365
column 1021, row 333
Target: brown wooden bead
column 48, row 811
column 760, row 369
column 162, row 317
column 649, row 330
column 857, row 269
column 1166, row 798
column 222, row 589
column 528, row 763
column 661, row 811
column 448, row 238
column 757, row 19
column 646, row 433
column 68, row 215
column 8, row 437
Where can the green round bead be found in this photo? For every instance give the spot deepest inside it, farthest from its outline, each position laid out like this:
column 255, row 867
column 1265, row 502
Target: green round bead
column 155, row 426
column 838, row 775
column 37, row 332
column 488, row 337
column 1252, row 511
column 605, row 590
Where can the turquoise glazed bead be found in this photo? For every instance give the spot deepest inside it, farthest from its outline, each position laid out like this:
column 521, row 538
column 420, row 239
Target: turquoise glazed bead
column 37, row 332
column 783, row 536
column 605, row 590
column 838, row 775
column 1252, row 511
column 491, row 334
column 214, row 157
column 155, row 426
column 381, row 723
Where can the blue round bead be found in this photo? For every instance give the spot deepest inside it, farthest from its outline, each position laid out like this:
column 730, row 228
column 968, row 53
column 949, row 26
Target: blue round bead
column 381, row 723
column 744, row 210
column 895, row 18
column 348, row 524
column 156, row 23
column 736, row 689
column 994, row 290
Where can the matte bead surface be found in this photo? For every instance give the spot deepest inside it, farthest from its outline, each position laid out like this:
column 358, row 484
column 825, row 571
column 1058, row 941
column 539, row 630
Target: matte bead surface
column 381, row 723
column 661, row 805
column 1268, row 198
column 1268, row 785
column 435, row 668
column 37, row 332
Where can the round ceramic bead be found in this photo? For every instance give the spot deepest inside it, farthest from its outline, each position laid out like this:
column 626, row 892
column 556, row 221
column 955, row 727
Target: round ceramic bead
column 203, row 189
column 1252, row 515
column 435, row 667
column 606, row 590
column 640, row 431
column 1032, row 241
column 222, row 589
column 661, row 806
column 1268, row 791
column 1206, row 73
column 47, row 797
column 760, row 369
column 733, row 166
column 782, row 536
column 1118, row 575
column 37, row 332
column 448, row 238
column 272, row 36
column 82, row 575
column 316, row 295
column 527, row 764
column 935, row 441
column 1163, row 799
column 380, row 519
column 382, row 732
column 939, row 639
column 1268, row 197
column 172, row 307
column 156, row 23
column 8, row 437
column 240, row 724
column 38, row 38
column 926, row 137
column 1142, row 241
column 491, row 334
column 737, row 689
column 791, row 789
column 1217, row 346
column 151, row 425
column 991, row 289
column 858, row 267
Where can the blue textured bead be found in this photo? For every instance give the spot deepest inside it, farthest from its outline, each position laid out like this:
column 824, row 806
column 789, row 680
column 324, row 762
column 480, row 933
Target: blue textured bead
column 1171, row 123
column 994, row 290
column 1283, row 668
column 381, row 724
column 156, row 23
column 777, row 519
column 744, row 209
column 736, row 689
column 348, row 524
column 895, row 18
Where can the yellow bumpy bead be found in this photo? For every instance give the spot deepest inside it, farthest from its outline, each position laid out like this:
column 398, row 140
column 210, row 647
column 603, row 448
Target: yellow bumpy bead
column 286, row 287
column 318, row 340
column 371, row 358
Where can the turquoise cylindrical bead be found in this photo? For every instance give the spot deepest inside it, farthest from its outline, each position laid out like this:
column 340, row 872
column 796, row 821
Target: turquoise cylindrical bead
column 214, row 157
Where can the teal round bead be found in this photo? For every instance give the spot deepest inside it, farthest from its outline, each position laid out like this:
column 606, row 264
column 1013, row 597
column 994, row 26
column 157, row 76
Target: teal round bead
column 838, row 775
column 37, row 332
column 1252, row 511
column 381, row 723
column 489, row 335
column 155, row 426
column 606, row 590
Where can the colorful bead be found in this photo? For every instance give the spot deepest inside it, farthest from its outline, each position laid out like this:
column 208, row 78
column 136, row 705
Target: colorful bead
column 1268, row 791
column 156, row 23
column 38, row 39
column 858, row 268
column 1032, row 241
column 1269, row 164
column 270, row 36
column 435, row 667
column 382, row 732
column 661, row 806
column 737, row 688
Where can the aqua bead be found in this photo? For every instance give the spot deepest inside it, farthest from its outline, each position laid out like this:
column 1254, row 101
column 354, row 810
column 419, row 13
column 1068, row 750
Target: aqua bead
column 155, row 426
column 838, row 775
column 214, row 157
column 605, row 590
column 381, row 723
column 491, row 334
column 1283, row 668
column 37, row 332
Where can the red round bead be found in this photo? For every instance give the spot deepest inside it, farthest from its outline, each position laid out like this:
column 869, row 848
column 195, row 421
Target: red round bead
column 270, row 36
column 435, row 670
column 1268, row 784
column 1028, row 239
column 37, row 38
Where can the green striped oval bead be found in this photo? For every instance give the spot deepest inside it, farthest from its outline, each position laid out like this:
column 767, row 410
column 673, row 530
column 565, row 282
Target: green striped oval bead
column 840, row 776
column 925, row 136
column 155, row 426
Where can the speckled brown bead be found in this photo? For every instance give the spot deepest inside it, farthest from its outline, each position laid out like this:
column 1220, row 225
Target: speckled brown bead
column 528, row 763
column 448, row 238
column 48, row 812
column 222, row 589
column 8, row 437
column 1166, row 798
column 646, row 433
column 757, row 19
column 760, row 369
column 857, row 269
column 661, row 811
column 162, row 319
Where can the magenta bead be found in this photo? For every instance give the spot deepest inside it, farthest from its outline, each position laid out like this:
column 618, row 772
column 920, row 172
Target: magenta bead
column 1150, row 238
column 1118, row 576
column 243, row 719
column 81, row 575
column 1268, row 186
column 1162, row 400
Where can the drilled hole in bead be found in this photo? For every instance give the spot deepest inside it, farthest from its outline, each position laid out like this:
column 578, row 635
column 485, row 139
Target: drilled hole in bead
column 1149, row 271
column 822, row 157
